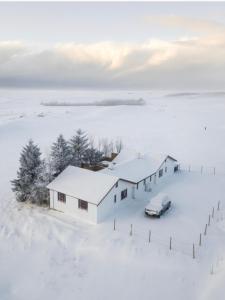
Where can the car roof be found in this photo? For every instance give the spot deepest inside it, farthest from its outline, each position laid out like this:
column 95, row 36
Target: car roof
column 157, row 201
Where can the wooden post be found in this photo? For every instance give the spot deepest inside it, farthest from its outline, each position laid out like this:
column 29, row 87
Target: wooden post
column 200, row 239
column 170, row 243
column 213, row 213
column 205, row 229
column 211, row 271
column 201, row 169
column 209, row 221
column 193, row 251
column 214, row 171
column 218, row 206
column 189, row 168
column 149, row 236
column 131, row 229
column 114, row 226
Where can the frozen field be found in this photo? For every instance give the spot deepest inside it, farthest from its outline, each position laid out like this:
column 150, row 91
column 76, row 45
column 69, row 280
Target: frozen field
column 45, row 255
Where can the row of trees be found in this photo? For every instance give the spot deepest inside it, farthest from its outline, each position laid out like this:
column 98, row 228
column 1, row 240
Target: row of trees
column 35, row 173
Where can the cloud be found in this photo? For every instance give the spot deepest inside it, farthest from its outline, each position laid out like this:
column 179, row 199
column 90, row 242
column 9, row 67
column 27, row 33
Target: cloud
column 189, row 24
column 10, row 49
column 197, row 62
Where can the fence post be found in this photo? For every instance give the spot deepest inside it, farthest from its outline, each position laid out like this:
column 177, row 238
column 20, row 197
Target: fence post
column 213, row 213
column 209, row 221
column 205, row 229
column 170, row 243
column 189, row 168
column 149, row 236
column 218, row 206
column 201, row 169
column 131, row 229
column 214, row 171
column 200, row 239
column 211, row 271
column 114, row 226
column 193, row 251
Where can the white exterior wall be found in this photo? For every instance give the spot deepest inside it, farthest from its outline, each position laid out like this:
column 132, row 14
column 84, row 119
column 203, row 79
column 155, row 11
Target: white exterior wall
column 107, row 206
column 97, row 214
column 70, row 207
column 143, row 191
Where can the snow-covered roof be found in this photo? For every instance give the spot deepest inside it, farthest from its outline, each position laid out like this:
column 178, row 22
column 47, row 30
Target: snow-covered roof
column 83, row 184
column 136, row 169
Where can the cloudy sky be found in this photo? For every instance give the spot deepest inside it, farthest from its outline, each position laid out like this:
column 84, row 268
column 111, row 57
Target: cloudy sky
column 147, row 45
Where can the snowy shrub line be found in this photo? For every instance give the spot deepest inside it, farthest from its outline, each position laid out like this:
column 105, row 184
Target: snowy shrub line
column 109, row 102
column 35, row 173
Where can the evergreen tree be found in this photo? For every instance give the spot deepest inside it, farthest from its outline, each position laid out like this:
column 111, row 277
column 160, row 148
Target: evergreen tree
column 78, row 145
column 28, row 173
column 92, row 156
column 39, row 193
column 60, row 155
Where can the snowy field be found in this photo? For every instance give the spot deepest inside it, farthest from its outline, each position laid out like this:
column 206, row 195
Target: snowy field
column 46, row 255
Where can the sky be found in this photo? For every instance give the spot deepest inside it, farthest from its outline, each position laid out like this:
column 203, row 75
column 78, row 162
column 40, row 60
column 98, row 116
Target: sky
column 117, row 45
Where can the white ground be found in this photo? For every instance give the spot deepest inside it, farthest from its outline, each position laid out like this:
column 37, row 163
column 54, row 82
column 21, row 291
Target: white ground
column 46, row 255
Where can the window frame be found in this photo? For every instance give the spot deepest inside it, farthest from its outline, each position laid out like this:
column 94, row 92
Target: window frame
column 160, row 173
column 61, row 197
column 123, row 194
column 82, row 204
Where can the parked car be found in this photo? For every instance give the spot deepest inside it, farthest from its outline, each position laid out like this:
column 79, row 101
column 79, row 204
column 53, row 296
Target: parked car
column 158, row 205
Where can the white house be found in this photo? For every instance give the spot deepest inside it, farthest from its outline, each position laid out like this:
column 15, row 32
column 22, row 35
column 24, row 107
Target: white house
column 92, row 196
column 143, row 172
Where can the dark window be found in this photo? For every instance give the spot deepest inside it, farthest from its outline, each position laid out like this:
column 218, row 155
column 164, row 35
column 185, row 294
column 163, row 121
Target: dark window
column 82, row 204
column 176, row 168
column 114, row 198
column 124, row 194
column 137, row 186
column 117, row 184
column 144, row 182
column 150, row 178
column 161, row 173
column 165, row 169
column 62, row 197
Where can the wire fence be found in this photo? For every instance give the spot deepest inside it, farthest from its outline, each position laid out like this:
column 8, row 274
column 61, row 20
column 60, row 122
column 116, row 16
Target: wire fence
column 203, row 169
column 171, row 243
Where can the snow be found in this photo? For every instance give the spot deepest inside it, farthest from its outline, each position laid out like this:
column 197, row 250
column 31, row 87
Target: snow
column 47, row 255
column 157, row 201
column 136, row 169
column 83, row 184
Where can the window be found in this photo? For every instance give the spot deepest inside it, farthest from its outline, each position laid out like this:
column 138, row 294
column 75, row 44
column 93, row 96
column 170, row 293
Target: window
column 161, row 173
column 124, row 194
column 82, row 204
column 114, row 198
column 144, row 182
column 137, row 186
column 176, row 168
column 150, row 178
column 62, row 197
column 165, row 169
column 117, row 184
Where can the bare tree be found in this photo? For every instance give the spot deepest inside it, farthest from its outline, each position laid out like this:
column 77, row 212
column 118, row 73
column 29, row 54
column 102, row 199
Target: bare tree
column 105, row 146
column 119, row 145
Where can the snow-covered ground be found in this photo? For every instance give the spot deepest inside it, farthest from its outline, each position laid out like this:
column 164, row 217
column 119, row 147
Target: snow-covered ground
column 46, row 255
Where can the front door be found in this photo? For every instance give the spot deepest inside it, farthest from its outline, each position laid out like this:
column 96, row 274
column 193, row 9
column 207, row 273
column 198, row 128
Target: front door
column 155, row 179
column 133, row 192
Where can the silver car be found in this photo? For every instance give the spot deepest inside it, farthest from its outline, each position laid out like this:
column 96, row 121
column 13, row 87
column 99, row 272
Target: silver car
column 158, row 205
